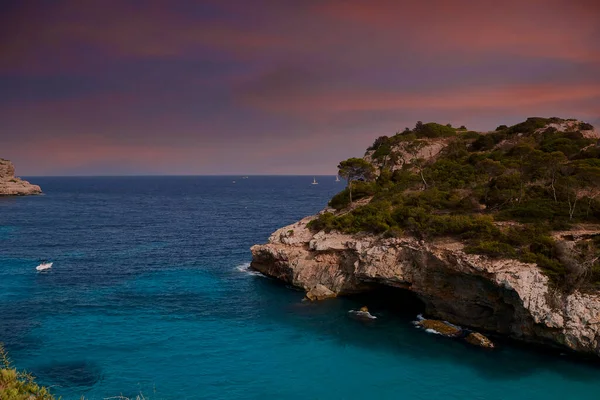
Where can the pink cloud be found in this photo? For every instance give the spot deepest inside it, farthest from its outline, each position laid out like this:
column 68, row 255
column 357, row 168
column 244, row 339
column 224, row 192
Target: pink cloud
column 474, row 98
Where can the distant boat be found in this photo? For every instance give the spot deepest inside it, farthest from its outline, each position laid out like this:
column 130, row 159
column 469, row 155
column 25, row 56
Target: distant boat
column 314, row 182
column 44, row 266
column 233, row 182
column 337, row 178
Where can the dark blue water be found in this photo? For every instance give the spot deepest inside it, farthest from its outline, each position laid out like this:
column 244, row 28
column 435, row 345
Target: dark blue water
column 149, row 294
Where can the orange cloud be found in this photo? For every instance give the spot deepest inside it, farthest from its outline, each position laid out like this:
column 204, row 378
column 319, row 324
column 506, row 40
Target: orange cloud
column 473, row 98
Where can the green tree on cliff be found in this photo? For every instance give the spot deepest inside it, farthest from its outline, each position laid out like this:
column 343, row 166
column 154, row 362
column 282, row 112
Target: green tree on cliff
column 355, row 169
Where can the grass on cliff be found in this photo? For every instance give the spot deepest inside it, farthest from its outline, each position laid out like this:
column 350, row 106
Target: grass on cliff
column 18, row 385
column 535, row 180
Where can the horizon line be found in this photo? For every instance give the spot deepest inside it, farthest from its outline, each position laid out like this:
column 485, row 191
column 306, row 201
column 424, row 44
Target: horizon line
column 169, row 175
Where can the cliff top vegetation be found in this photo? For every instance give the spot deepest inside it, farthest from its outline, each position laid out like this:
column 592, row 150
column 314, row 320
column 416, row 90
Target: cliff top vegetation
column 503, row 193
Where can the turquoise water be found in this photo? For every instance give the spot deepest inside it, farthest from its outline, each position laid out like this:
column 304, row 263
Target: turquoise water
column 149, row 293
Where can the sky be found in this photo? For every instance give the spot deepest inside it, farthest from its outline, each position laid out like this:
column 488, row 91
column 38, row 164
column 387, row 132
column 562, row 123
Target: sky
column 127, row 87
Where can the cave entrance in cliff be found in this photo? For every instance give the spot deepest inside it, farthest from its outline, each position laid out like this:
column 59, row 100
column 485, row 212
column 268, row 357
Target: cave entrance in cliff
column 393, row 299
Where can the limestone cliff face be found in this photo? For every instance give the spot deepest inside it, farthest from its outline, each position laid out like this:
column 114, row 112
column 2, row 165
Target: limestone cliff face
column 507, row 297
column 12, row 186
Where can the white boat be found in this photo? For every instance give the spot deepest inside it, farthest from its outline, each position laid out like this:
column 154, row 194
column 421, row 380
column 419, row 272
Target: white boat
column 337, row 178
column 314, row 182
column 44, row 266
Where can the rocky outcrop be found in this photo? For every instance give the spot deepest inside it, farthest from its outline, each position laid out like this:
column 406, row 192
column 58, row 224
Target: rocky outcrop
column 13, row 186
column 319, row 292
column 506, row 297
column 477, row 339
column 441, row 327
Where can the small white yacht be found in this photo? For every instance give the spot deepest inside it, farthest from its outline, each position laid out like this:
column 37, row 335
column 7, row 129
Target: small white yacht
column 44, row 266
column 314, row 182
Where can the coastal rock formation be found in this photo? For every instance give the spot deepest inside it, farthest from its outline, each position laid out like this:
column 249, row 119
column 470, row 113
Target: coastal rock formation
column 492, row 231
column 13, row 186
column 503, row 296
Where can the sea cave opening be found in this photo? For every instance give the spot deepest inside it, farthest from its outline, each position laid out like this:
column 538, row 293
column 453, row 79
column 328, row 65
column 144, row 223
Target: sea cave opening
column 399, row 301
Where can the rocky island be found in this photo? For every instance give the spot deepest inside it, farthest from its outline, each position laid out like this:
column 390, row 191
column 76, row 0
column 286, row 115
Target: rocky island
column 497, row 232
column 13, row 186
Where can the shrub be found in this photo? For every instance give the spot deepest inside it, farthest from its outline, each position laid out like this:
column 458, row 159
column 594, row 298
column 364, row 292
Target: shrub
column 359, row 190
column 529, row 126
column 488, row 141
column 534, row 210
column 433, row 130
column 492, row 248
column 470, row 135
column 15, row 385
column 324, row 222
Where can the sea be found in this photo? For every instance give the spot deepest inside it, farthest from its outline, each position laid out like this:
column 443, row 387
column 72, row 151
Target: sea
column 150, row 296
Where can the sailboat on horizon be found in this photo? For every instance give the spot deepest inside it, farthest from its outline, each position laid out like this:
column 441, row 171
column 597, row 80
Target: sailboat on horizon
column 337, row 178
column 314, row 182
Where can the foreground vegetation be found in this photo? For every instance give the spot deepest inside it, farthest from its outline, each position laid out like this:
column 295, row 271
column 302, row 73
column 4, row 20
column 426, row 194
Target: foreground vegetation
column 15, row 385
column 503, row 193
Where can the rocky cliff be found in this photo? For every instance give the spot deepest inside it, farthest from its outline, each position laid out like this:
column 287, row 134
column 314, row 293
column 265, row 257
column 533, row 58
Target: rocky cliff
column 505, row 296
column 13, row 186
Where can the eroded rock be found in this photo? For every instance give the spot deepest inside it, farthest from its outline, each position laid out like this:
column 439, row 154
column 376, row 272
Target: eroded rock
column 319, row 292
column 13, row 186
column 503, row 296
column 441, row 327
column 477, row 339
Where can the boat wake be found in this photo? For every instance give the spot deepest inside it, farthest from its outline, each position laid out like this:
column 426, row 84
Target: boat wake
column 245, row 268
column 362, row 314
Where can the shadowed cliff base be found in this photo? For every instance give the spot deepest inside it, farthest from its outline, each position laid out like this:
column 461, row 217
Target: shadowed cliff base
column 393, row 332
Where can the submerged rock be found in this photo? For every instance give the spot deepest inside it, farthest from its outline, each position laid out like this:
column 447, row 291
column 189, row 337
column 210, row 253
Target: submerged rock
column 319, row 292
column 477, row 339
column 442, row 327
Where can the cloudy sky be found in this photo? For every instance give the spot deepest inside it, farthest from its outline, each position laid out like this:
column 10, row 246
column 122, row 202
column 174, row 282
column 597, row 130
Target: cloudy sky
column 90, row 87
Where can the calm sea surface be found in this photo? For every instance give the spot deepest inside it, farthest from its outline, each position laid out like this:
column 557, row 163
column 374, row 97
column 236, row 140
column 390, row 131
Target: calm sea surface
column 149, row 293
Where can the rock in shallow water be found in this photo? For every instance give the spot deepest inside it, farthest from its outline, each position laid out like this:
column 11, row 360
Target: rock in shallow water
column 441, row 327
column 477, row 339
column 319, row 292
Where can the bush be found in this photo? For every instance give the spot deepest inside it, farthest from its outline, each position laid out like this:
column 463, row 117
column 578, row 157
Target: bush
column 433, row 130
column 488, row 141
column 359, row 190
column 470, row 135
column 450, row 174
column 535, row 210
column 15, row 385
column 529, row 126
column 492, row 248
